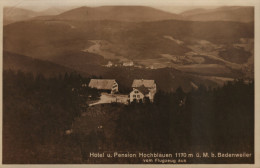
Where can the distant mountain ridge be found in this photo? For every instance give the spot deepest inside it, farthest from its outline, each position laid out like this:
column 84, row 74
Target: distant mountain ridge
column 130, row 14
column 17, row 14
column 116, row 13
column 14, row 14
column 193, row 11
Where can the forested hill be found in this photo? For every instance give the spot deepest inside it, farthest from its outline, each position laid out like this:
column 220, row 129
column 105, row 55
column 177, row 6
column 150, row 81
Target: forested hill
column 18, row 62
column 38, row 110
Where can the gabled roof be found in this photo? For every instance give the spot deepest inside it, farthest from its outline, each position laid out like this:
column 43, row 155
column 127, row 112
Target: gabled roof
column 143, row 82
column 143, row 89
column 105, row 84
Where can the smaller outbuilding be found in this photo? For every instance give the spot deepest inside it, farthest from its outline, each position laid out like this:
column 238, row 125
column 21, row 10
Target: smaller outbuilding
column 109, row 85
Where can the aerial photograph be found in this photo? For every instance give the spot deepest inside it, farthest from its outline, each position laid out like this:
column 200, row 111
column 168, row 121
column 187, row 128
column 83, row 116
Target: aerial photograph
column 128, row 84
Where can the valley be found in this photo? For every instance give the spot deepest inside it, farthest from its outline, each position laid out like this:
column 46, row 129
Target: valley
column 99, row 42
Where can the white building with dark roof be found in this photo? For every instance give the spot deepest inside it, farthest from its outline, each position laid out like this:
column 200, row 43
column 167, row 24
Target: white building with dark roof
column 142, row 89
column 104, row 84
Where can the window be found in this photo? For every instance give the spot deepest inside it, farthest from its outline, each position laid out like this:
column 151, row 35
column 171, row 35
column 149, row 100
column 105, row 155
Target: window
column 138, row 96
column 134, row 96
column 135, row 91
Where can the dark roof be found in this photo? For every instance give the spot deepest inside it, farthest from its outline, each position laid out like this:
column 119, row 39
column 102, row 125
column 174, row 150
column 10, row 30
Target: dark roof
column 143, row 82
column 105, row 84
column 143, row 89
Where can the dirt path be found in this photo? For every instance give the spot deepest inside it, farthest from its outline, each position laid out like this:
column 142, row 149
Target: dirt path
column 110, row 98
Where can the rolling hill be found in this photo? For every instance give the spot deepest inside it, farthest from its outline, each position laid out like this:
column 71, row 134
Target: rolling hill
column 132, row 40
column 85, row 39
column 226, row 13
column 12, row 61
column 135, row 41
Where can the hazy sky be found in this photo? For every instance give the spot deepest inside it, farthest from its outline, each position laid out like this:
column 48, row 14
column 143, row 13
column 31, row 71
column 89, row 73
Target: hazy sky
column 174, row 6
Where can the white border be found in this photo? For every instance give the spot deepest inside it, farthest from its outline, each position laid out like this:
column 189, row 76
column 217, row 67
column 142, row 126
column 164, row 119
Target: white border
column 255, row 3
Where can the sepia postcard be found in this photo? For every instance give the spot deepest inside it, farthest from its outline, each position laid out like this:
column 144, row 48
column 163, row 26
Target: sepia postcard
column 130, row 83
